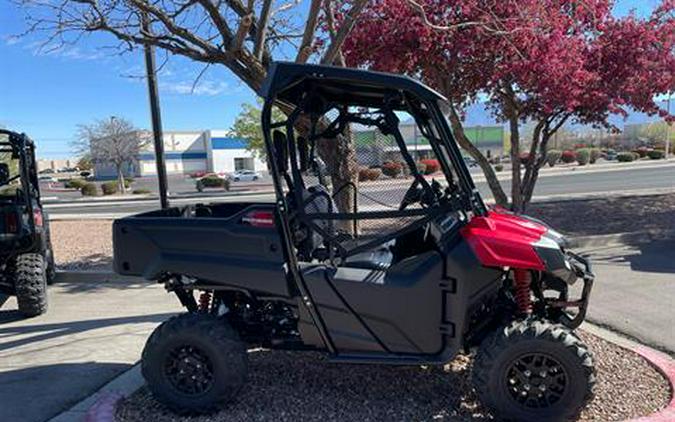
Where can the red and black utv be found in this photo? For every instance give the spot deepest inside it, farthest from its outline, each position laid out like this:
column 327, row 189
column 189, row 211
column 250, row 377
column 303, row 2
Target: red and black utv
column 26, row 256
column 406, row 266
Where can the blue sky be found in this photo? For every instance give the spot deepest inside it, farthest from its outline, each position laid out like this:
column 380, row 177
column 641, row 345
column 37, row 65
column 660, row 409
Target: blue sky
column 48, row 95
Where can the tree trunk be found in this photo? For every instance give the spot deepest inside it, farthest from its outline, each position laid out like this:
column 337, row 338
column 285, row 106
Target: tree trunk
column 464, row 142
column 120, row 179
column 339, row 155
column 516, row 197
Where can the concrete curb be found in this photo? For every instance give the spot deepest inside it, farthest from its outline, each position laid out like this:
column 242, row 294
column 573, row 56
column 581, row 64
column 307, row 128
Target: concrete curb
column 100, row 406
column 659, row 360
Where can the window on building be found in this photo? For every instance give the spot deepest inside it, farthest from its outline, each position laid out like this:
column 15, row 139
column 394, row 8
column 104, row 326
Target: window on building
column 244, row 163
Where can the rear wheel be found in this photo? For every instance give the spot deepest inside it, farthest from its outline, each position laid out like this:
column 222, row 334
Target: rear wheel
column 30, row 282
column 194, row 363
column 534, row 370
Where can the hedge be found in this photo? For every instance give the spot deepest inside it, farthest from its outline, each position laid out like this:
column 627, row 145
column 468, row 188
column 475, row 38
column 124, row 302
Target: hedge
column 391, row 169
column 656, row 154
column 89, row 189
column 109, row 188
column 568, row 157
column 553, row 156
column 625, row 157
column 431, row 166
column 583, row 156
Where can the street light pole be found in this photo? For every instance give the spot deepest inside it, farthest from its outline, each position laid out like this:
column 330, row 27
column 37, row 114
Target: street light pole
column 156, row 116
column 670, row 94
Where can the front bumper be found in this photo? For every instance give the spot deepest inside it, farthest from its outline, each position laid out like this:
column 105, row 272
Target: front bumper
column 583, row 270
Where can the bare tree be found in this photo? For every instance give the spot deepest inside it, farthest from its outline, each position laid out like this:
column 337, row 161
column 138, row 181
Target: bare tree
column 112, row 141
column 242, row 35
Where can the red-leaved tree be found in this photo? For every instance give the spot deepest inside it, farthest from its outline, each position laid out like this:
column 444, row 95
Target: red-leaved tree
column 545, row 61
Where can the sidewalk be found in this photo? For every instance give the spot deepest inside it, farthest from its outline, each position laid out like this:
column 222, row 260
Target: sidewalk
column 92, row 333
column 634, row 291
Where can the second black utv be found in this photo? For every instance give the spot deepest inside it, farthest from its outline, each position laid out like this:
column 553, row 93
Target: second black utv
column 406, row 266
column 26, row 256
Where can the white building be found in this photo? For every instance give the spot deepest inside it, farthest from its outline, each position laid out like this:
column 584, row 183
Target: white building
column 188, row 152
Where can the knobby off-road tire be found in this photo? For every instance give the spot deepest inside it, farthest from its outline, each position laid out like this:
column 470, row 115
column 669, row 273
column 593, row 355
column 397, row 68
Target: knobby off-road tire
column 194, row 363
column 3, row 299
column 30, row 283
column 534, row 370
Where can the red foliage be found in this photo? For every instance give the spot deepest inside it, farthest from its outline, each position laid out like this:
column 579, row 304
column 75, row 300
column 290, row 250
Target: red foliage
column 642, row 151
column 391, row 169
column 555, row 56
column 431, row 166
column 524, row 157
column 568, row 157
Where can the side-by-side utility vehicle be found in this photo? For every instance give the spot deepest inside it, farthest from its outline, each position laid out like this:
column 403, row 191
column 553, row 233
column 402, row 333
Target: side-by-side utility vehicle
column 376, row 248
column 26, row 257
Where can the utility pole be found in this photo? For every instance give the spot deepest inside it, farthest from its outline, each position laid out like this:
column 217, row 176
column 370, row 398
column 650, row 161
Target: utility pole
column 156, row 116
column 670, row 94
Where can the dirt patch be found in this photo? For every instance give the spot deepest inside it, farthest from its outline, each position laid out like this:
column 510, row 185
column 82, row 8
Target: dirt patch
column 82, row 245
column 588, row 217
column 289, row 386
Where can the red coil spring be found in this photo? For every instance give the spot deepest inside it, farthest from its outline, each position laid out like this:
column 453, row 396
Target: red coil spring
column 204, row 301
column 521, row 283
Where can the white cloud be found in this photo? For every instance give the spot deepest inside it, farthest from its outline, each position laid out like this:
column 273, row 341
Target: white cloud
column 207, row 88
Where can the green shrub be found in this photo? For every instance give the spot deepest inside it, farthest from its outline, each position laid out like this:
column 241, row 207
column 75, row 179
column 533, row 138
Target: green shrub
column 89, row 189
column 625, row 157
column 568, row 157
column 128, row 181
column 552, row 157
column 368, row 174
column 595, row 154
column 499, row 167
column 583, row 156
column 391, row 169
column 656, row 154
column 431, row 166
column 109, row 188
column 75, row 183
column 141, row 191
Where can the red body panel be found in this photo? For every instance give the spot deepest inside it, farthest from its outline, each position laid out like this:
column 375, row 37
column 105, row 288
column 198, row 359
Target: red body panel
column 502, row 239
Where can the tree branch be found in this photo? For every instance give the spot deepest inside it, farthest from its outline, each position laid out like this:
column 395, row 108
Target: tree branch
column 261, row 33
column 308, row 36
column 345, row 28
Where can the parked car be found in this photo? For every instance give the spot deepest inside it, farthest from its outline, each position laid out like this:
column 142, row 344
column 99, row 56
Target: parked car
column 470, row 162
column 47, row 178
column 245, row 176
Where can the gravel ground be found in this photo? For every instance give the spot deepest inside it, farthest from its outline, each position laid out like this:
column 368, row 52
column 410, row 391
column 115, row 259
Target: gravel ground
column 588, row 217
column 288, row 386
column 82, row 245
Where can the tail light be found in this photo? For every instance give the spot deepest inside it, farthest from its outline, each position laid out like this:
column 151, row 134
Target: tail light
column 259, row 219
column 38, row 219
column 11, row 222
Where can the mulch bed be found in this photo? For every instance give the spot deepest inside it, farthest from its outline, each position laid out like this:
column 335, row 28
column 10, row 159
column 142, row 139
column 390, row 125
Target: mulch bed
column 290, row 386
column 597, row 216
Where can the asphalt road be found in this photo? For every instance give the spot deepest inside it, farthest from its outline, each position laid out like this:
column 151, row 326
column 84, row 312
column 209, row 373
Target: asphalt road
column 613, row 180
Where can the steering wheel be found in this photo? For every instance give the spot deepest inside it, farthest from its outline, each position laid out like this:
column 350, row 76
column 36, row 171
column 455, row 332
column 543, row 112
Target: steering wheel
column 412, row 195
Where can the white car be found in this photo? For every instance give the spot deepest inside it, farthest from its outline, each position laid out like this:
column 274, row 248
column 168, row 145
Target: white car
column 245, row 176
column 47, row 178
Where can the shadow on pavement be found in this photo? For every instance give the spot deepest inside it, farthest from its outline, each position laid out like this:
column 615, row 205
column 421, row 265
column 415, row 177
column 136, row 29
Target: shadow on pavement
column 49, row 331
column 41, row 392
column 94, row 262
column 652, row 257
column 76, row 287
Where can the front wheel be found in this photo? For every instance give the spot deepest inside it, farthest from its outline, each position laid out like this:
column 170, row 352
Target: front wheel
column 194, row 363
column 534, row 370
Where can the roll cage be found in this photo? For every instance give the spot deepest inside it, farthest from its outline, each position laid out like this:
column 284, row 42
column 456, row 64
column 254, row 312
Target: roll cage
column 308, row 94
column 18, row 146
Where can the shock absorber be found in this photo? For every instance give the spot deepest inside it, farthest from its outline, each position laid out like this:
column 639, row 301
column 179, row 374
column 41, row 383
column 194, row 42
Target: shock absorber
column 204, row 301
column 521, row 284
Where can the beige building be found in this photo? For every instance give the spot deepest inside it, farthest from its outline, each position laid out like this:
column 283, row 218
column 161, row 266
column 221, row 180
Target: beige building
column 56, row 164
